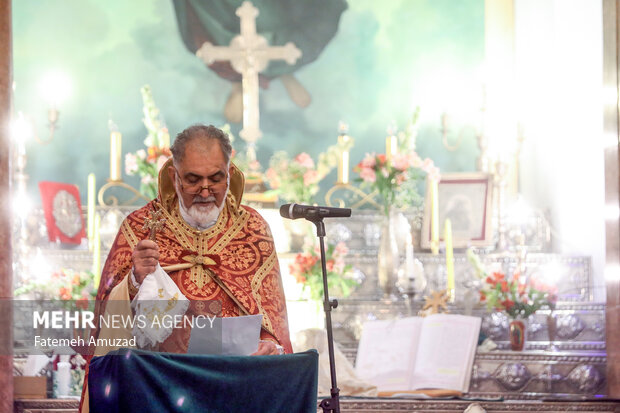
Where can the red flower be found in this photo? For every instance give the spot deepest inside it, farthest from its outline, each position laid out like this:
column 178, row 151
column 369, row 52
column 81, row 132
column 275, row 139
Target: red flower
column 498, row 276
column 504, row 287
column 508, row 303
column 65, row 293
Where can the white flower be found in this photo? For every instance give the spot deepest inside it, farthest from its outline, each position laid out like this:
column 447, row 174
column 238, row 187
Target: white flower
column 131, row 164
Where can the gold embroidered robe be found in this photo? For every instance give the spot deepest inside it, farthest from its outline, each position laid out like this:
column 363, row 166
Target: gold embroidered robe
column 234, row 262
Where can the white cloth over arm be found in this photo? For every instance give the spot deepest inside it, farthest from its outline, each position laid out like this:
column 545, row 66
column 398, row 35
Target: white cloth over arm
column 157, row 303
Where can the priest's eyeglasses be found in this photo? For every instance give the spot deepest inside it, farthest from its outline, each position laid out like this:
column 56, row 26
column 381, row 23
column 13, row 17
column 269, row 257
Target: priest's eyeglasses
column 193, row 185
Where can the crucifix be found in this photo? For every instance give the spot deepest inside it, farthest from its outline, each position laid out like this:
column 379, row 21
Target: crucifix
column 249, row 54
column 154, row 223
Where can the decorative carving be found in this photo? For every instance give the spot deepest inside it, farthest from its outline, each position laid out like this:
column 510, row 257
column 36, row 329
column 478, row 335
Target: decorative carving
column 495, row 326
column 568, row 326
column 513, row 376
column 585, row 378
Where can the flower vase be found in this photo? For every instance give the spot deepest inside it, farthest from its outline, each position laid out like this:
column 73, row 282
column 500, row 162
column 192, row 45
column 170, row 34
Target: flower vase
column 517, row 331
column 298, row 230
column 388, row 257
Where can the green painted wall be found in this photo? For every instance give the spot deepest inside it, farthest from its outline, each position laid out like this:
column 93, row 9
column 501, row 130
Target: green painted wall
column 387, row 58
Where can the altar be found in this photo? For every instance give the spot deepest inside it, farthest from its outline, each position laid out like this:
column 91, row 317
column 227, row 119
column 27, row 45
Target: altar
column 389, row 405
column 565, row 355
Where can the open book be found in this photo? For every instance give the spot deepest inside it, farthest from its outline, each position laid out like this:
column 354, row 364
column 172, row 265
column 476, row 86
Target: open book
column 434, row 352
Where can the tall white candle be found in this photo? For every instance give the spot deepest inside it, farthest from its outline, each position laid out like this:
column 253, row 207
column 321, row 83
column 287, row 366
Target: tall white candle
column 97, row 252
column 343, row 162
column 90, row 221
column 434, row 217
column 391, row 147
column 449, row 258
column 115, row 156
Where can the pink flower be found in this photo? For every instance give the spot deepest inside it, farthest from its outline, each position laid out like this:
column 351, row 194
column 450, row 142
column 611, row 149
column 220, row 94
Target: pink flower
column 310, row 177
column 434, row 174
column 427, row 164
column 401, row 162
column 272, row 177
column 147, row 179
column 131, row 164
column 369, row 161
column 414, row 160
column 304, row 160
column 400, row 178
column 341, row 248
column 368, row 175
column 339, row 266
column 141, row 153
column 384, row 171
column 161, row 161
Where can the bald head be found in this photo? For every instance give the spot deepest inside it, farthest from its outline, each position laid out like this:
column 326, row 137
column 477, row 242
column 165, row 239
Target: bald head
column 207, row 134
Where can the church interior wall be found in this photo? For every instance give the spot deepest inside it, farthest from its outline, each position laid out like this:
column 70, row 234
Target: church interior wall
column 386, row 59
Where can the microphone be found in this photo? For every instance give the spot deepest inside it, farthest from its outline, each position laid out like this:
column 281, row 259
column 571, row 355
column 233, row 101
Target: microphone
column 312, row 213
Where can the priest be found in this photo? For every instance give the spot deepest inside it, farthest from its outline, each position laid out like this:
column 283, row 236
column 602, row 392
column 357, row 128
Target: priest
column 211, row 247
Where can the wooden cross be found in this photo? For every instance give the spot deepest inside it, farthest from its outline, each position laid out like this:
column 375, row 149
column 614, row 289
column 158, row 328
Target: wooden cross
column 154, row 223
column 249, row 54
column 435, row 302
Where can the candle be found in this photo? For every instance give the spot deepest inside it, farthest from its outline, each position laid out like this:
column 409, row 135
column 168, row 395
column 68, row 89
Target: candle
column 449, row 258
column 165, row 138
column 90, row 221
column 97, row 252
column 391, row 147
column 343, row 162
column 115, row 156
column 434, row 217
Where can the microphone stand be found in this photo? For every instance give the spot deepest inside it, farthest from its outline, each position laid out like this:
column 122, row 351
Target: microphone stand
column 331, row 404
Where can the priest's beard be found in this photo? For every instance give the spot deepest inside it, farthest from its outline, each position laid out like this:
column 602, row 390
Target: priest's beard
column 198, row 215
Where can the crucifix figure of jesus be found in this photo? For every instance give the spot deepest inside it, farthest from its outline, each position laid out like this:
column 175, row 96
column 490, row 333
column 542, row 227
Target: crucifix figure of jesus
column 249, row 54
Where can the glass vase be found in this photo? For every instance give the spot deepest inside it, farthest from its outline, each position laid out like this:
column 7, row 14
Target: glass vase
column 388, row 258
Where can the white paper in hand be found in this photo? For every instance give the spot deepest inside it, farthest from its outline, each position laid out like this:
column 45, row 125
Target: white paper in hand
column 158, row 296
column 230, row 336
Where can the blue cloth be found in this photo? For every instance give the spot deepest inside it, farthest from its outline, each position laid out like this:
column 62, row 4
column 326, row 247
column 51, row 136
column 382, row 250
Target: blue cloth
column 140, row 381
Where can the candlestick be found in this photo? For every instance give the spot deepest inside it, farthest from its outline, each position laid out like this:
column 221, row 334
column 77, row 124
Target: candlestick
column 115, row 156
column 343, row 162
column 449, row 258
column 391, row 147
column 91, row 210
column 434, row 217
column 97, row 252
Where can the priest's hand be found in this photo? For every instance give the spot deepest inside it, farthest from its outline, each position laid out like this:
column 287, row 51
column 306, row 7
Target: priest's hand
column 267, row 348
column 144, row 258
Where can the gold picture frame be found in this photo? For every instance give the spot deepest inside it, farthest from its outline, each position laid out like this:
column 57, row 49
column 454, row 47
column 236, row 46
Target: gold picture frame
column 466, row 198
